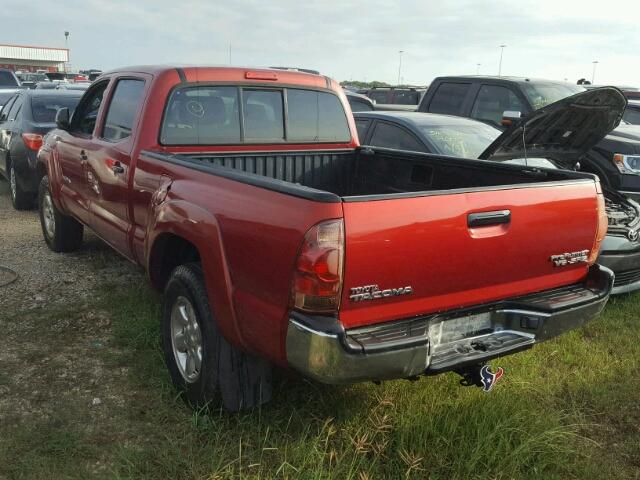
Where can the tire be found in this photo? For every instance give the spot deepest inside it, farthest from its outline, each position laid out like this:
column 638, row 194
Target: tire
column 61, row 232
column 20, row 199
column 204, row 366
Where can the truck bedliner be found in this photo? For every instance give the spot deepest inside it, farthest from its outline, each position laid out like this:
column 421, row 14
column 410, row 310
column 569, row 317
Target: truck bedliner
column 370, row 172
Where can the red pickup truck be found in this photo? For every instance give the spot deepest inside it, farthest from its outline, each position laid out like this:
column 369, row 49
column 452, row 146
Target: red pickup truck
column 278, row 241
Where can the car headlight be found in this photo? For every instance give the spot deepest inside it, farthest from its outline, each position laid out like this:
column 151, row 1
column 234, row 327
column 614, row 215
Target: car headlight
column 627, row 163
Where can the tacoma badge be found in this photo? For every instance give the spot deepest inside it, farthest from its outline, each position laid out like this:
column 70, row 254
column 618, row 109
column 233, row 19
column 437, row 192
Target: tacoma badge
column 373, row 292
column 570, row 258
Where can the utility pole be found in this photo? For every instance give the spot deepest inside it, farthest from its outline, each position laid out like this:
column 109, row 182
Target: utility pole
column 500, row 65
column 478, row 68
column 593, row 74
column 229, row 53
column 400, row 52
column 66, row 46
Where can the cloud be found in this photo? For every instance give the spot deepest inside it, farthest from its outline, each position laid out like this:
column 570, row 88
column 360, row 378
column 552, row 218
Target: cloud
column 359, row 40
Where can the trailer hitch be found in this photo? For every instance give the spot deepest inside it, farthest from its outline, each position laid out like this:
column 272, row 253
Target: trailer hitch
column 479, row 375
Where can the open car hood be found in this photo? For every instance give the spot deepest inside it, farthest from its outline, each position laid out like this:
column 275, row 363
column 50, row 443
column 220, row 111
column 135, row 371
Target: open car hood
column 562, row 131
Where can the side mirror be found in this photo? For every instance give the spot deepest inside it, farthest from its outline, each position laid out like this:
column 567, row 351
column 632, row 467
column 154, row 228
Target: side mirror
column 62, row 118
column 509, row 117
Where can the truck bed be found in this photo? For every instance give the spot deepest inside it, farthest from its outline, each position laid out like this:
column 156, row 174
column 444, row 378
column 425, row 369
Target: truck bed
column 365, row 173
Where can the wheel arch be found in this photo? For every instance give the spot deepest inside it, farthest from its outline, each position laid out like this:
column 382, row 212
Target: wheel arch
column 181, row 233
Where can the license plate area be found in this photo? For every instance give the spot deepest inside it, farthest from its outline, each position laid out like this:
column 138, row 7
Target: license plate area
column 454, row 330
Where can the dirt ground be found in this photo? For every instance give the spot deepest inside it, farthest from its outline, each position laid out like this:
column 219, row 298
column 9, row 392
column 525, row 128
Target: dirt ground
column 52, row 346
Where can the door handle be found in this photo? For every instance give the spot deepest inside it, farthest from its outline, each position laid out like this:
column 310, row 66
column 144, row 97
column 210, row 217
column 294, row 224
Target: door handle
column 485, row 219
column 117, row 168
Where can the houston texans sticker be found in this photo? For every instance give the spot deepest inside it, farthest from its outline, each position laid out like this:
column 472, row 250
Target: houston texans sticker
column 489, row 379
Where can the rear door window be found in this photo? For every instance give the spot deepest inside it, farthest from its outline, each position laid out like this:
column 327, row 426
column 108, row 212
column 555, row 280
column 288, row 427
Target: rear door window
column 44, row 109
column 123, row 109
column 449, row 98
column 492, row 101
column 391, row 136
column 316, row 117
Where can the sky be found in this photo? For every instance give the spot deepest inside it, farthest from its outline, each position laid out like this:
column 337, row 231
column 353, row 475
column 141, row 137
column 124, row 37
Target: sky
column 358, row 40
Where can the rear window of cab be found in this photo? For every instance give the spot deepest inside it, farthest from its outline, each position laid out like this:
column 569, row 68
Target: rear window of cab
column 219, row 115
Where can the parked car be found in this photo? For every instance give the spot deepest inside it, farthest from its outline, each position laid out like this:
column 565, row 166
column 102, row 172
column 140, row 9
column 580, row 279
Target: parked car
column 358, row 102
column 632, row 112
column 27, row 116
column 497, row 99
column 463, row 137
column 8, row 79
column 395, row 98
column 277, row 241
column 30, row 80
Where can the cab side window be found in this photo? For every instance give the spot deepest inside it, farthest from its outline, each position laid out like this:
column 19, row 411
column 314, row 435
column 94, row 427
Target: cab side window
column 492, row 101
column 449, row 98
column 85, row 116
column 123, row 109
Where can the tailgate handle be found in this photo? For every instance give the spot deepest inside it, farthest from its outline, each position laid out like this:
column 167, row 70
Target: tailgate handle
column 484, row 219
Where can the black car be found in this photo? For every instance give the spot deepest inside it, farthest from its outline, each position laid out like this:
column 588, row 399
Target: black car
column 463, row 137
column 632, row 112
column 24, row 120
column 427, row 133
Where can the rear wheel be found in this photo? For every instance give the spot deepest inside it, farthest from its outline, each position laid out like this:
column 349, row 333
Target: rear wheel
column 201, row 362
column 61, row 232
column 20, row 199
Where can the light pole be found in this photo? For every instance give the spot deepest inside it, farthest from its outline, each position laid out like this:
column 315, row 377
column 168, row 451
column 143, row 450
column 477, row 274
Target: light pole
column 478, row 68
column 500, row 65
column 66, row 46
column 400, row 52
column 593, row 74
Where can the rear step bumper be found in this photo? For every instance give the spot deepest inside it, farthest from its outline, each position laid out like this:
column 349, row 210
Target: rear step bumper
column 320, row 348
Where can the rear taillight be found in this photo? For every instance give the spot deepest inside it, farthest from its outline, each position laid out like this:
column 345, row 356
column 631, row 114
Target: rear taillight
column 317, row 282
column 33, row 141
column 603, row 224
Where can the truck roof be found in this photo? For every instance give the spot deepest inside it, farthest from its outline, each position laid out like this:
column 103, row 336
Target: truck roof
column 503, row 78
column 200, row 73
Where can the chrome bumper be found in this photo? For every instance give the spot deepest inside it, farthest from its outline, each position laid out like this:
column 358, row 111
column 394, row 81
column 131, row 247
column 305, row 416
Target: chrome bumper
column 321, row 349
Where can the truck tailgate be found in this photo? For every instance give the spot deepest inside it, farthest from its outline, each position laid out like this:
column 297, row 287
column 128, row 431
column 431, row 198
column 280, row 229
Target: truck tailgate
column 450, row 258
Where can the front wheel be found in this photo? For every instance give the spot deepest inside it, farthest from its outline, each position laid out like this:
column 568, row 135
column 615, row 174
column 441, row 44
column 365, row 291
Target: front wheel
column 201, row 362
column 61, row 232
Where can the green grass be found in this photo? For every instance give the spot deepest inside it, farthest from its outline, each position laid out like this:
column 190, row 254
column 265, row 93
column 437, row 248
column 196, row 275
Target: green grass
column 568, row 409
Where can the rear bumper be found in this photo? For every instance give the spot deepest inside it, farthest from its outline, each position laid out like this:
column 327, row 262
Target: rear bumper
column 321, row 349
column 622, row 257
